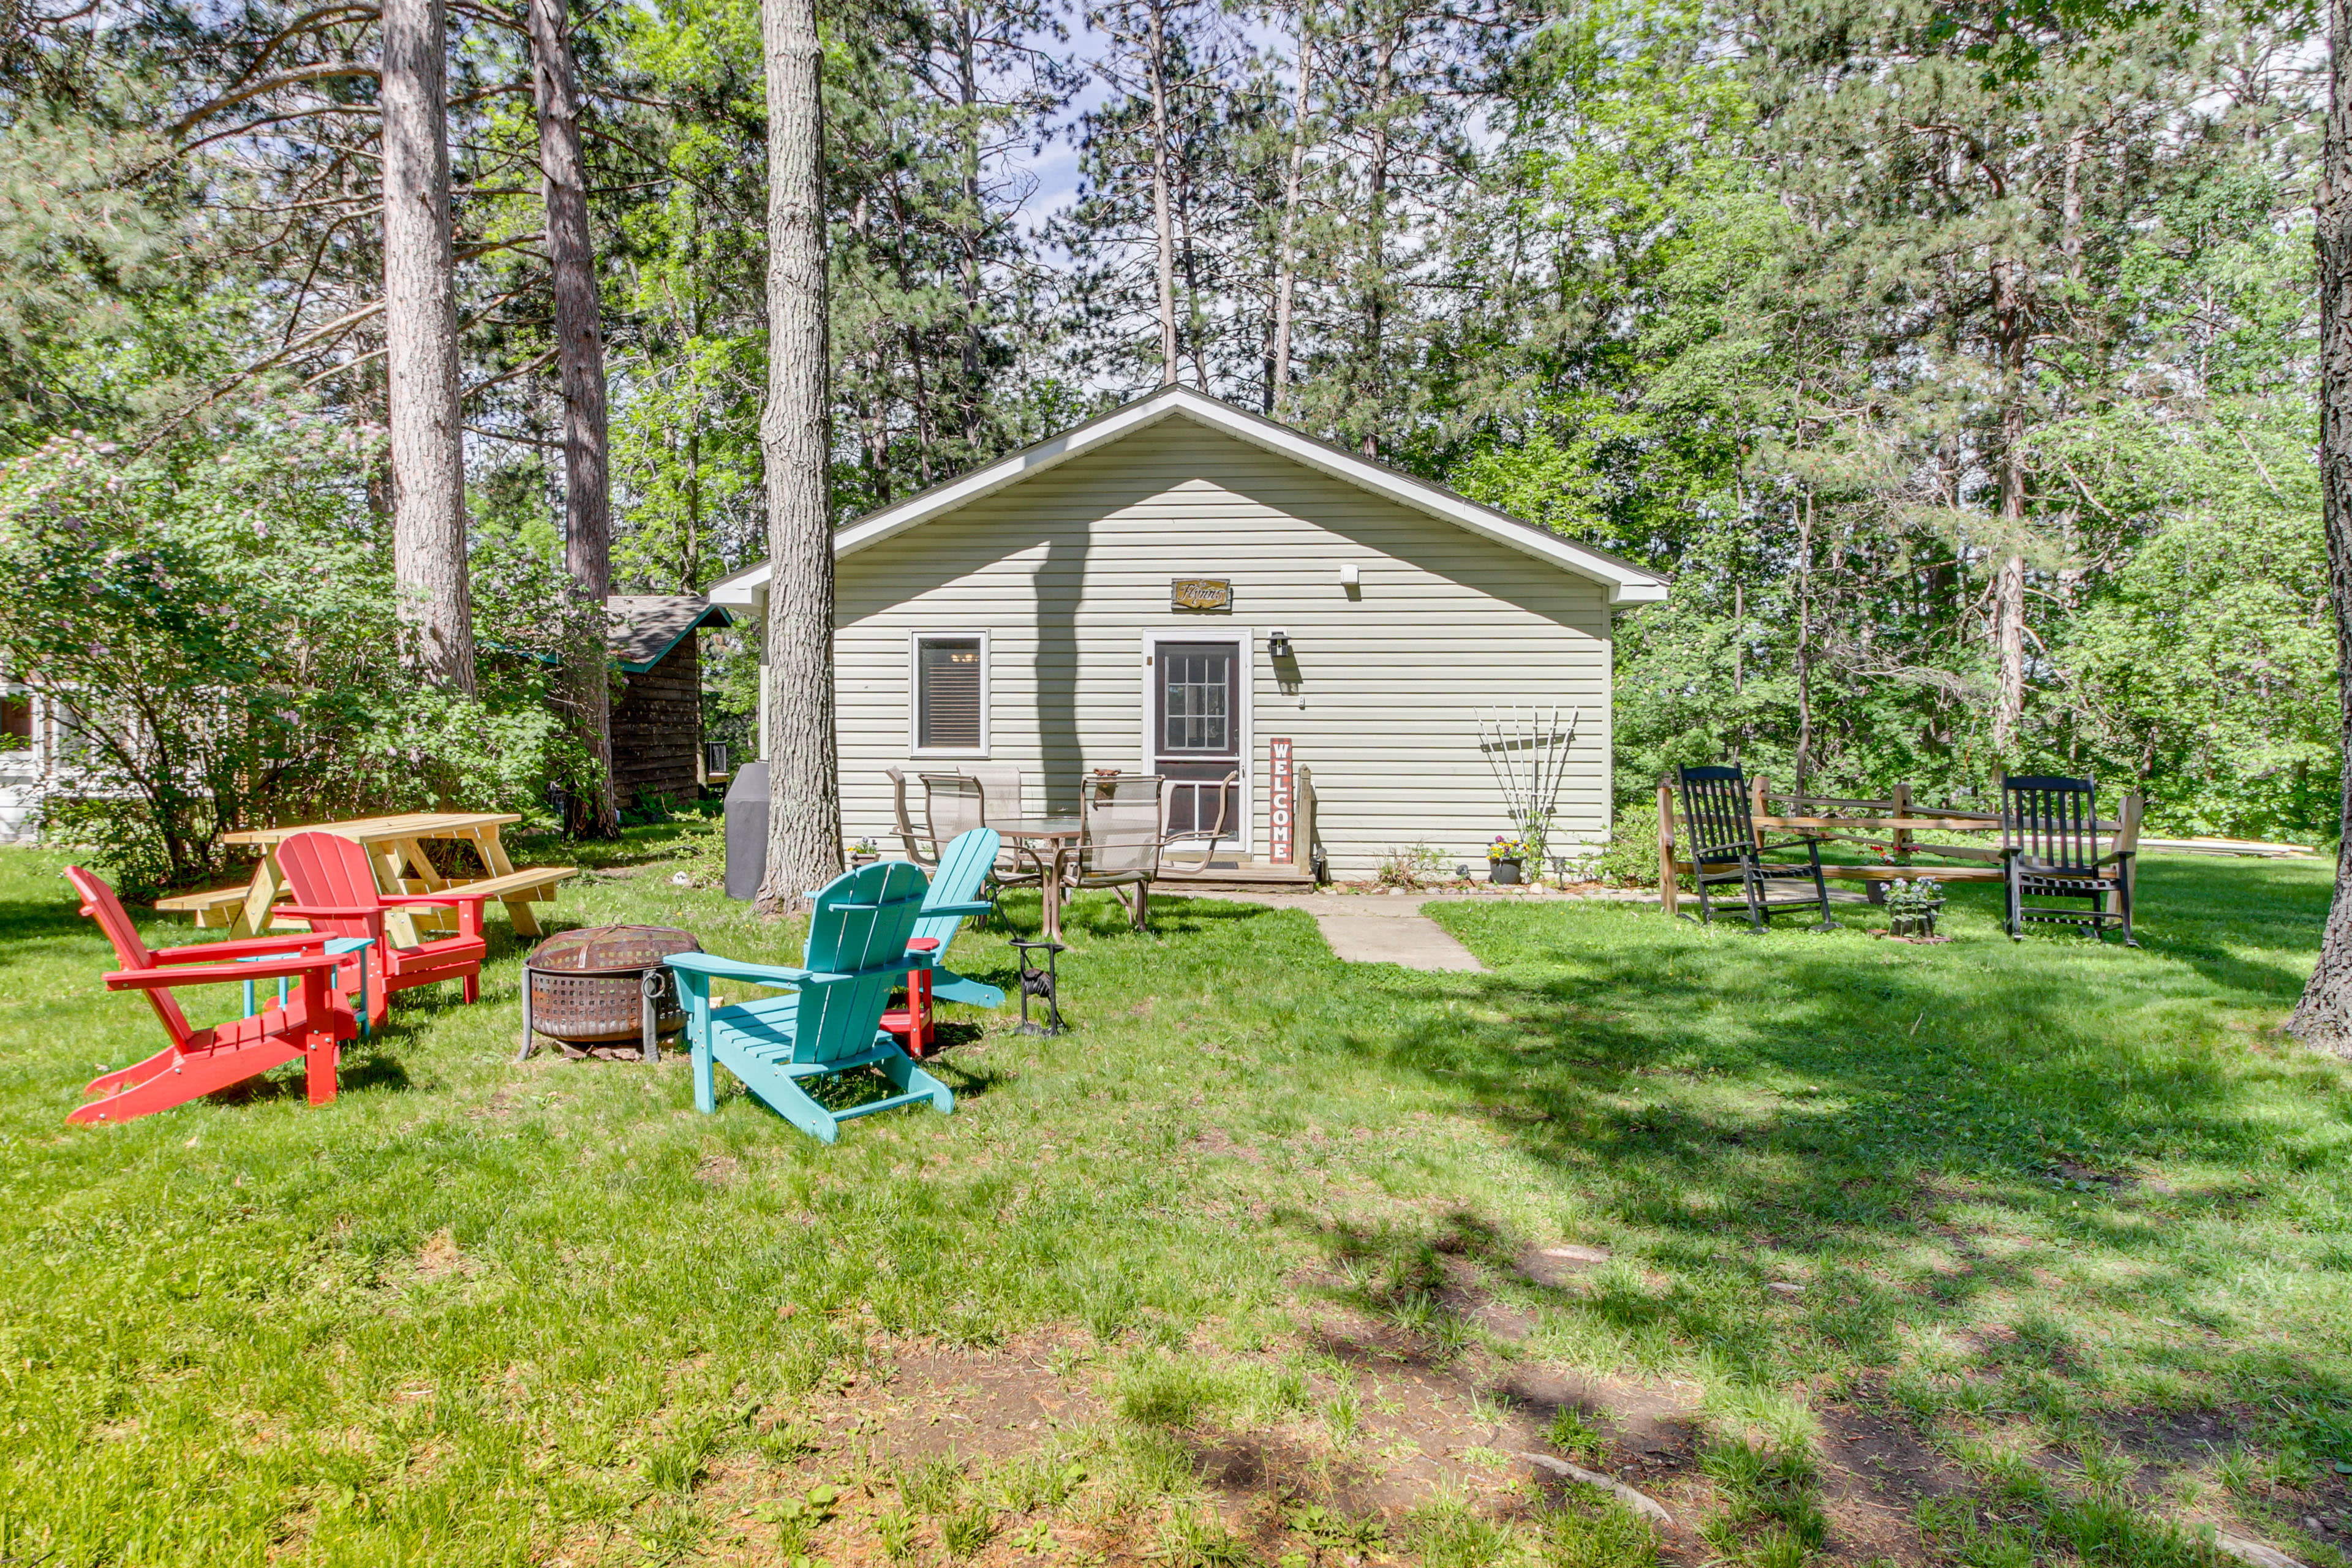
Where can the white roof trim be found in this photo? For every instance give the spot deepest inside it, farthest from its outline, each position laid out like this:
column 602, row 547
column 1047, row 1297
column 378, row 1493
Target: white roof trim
column 1627, row 584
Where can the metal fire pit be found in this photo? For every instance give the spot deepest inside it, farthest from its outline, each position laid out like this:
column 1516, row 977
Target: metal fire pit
column 601, row 987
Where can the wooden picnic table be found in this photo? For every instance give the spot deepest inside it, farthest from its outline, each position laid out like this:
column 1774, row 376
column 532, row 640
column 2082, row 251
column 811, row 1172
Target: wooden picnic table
column 395, row 846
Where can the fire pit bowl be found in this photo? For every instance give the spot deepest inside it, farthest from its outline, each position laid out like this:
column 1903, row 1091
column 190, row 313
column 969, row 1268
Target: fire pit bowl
column 603, row 985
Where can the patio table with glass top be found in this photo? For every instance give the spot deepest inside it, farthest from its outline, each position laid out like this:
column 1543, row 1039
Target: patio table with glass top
column 1053, row 842
column 395, row 846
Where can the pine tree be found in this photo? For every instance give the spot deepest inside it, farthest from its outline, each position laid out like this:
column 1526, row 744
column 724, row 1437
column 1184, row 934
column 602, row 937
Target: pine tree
column 803, row 768
column 2323, row 1017
column 420, row 314
column 580, row 356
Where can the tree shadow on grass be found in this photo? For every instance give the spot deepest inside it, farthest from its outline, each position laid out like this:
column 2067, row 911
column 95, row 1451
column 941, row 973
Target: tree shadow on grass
column 30, row 920
column 1926, row 1132
column 1098, row 915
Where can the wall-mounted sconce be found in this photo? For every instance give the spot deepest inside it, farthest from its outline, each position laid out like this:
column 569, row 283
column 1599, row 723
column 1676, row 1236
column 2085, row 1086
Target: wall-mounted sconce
column 1351, row 576
column 1277, row 644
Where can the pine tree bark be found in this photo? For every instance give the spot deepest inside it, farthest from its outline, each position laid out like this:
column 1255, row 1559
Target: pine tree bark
column 420, row 327
column 1804, row 768
column 973, row 219
column 580, row 360
column 1162, row 219
column 2324, row 1018
column 804, row 774
column 2009, row 579
column 1376, row 227
column 1293, row 178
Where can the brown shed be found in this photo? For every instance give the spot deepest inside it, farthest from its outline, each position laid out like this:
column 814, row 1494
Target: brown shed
column 657, row 723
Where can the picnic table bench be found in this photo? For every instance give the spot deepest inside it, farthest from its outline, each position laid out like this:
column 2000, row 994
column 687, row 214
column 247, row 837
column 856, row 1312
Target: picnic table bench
column 395, row 846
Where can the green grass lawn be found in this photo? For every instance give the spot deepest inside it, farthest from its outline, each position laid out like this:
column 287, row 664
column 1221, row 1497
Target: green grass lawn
column 1977, row 1252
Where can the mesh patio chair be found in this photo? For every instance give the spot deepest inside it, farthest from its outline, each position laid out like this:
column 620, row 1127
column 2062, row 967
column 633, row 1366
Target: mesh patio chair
column 1199, row 844
column 952, row 803
column 999, row 788
column 921, row 848
column 957, row 803
column 1121, row 815
column 1724, row 850
column 2050, row 849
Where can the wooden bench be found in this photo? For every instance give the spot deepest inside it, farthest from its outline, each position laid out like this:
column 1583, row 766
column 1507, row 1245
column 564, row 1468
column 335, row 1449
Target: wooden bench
column 221, row 906
column 213, row 907
column 1877, row 877
column 530, row 881
column 1897, row 819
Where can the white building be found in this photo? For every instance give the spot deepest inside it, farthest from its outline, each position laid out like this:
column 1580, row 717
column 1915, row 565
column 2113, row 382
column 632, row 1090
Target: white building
column 39, row 748
column 1185, row 588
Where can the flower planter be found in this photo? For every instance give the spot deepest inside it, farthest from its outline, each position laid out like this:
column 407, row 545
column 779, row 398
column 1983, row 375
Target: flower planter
column 1504, row 873
column 1920, row 922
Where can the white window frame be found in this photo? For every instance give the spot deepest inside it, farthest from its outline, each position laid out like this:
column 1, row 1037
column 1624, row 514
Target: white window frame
column 914, row 748
column 1243, row 835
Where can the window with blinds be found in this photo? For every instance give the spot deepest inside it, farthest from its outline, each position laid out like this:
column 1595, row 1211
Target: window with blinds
column 948, row 695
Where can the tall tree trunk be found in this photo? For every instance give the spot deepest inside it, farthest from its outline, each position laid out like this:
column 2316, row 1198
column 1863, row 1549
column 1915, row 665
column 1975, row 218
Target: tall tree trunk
column 1193, row 334
column 2008, row 580
column 580, row 360
column 1162, row 220
column 1294, row 177
column 1804, row 768
column 2324, row 1018
column 420, row 330
column 2070, row 207
column 1376, row 235
column 967, row 98
column 804, row 771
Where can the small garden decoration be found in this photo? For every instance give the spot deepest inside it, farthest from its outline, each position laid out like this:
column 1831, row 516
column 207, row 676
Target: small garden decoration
column 1503, row 858
column 1913, row 904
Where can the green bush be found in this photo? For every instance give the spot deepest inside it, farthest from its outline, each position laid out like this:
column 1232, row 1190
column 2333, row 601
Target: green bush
column 220, row 621
column 1630, row 859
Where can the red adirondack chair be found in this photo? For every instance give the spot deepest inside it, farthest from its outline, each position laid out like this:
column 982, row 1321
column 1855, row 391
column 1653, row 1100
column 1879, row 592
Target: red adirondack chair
column 334, row 889
column 199, row 1061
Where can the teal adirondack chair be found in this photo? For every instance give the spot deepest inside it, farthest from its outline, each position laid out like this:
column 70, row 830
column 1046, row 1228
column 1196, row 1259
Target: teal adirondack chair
column 856, row 949
column 964, row 863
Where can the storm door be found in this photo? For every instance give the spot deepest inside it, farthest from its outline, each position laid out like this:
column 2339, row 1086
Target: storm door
column 1197, row 733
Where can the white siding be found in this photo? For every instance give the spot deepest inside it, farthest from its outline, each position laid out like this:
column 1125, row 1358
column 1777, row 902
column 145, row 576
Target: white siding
column 1067, row 572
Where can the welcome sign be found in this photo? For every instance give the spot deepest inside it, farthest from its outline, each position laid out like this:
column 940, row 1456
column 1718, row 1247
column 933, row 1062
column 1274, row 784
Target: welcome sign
column 1281, row 801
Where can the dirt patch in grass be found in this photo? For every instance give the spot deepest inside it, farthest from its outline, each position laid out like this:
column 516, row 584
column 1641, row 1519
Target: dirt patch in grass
column 439, row 1256
column 1416, row 1431
column 1876, row 1471
column 1217, row 1141
column 926, row 1402
column 2191, row 1438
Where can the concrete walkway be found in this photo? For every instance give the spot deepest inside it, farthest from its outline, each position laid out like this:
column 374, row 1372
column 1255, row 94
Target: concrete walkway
column 1378, row 928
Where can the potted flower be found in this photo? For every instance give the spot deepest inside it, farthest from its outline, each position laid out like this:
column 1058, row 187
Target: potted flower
column 1912, row 905
column 863, row 853
column 1505, row 856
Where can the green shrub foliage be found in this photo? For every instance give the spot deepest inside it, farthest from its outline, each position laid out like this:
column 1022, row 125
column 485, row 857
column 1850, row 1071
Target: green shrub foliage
column 219, row 621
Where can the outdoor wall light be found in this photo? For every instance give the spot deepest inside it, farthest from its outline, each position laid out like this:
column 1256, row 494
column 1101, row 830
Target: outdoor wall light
column 1277, row 644
column 1351, row 576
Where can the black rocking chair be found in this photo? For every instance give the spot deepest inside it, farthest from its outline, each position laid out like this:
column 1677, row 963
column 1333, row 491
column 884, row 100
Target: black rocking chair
column 1724, row 849
column 2050, row 849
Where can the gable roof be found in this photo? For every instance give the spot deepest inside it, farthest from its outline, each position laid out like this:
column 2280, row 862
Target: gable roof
column 1626, row 583
column 641, row 629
